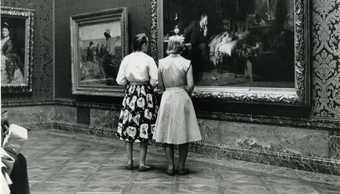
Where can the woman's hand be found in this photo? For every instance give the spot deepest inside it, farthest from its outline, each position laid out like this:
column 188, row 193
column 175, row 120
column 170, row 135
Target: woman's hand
column 188, row 90
column 157, row 90
column 190, row 81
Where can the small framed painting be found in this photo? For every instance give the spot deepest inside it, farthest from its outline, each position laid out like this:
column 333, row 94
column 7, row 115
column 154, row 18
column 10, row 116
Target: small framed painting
column 99, row 41
column 16, row 49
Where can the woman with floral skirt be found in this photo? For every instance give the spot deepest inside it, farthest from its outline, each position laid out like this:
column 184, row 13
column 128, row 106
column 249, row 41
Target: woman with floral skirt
column 138, row 73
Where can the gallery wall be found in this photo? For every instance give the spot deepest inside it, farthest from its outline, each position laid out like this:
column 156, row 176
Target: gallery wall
column 325, row 59
column 42, row 74
column 325, row 71
column 325, row 74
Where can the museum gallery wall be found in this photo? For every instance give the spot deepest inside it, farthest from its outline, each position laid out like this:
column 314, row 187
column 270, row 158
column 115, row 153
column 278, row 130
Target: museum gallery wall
column 325, row 74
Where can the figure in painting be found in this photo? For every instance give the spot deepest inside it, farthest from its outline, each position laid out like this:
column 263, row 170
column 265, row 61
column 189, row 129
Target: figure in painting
column 90, row 52
column 11, row 65
column 107, row 54
column 197, row 34
column 90, row 67
column 247, row 42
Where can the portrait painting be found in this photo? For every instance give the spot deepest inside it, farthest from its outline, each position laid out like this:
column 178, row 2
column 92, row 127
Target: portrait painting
column 99, row 42
column 16, row 49
column 240, row 49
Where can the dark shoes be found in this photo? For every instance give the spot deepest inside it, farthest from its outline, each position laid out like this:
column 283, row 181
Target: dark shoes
column 170, row 172
column 144, row 168
column 184, row 171
column 129, row 166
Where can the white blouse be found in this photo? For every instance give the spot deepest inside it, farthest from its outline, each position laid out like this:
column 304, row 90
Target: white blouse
column 137, row 67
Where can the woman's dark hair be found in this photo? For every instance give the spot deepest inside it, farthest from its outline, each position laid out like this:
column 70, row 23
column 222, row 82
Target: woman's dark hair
column 139, row 40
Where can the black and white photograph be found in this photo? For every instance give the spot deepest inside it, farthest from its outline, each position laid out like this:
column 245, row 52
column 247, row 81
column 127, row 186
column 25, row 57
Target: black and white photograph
column 170, row 97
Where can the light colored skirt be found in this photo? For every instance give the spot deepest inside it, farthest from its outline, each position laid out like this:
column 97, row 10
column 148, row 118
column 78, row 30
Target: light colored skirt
column 176, row 122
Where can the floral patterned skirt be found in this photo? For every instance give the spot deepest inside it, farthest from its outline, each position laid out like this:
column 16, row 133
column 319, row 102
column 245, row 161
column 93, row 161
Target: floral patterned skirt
column 138, row 114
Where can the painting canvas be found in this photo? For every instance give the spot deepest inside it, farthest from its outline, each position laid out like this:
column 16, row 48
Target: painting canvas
column 16, row 49
column 99, row 41
column 100, row 51
column 244, row 51
column 235, row 42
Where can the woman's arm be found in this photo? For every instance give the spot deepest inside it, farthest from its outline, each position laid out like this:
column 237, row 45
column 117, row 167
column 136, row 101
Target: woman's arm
column 190, row 81
column 161, row 86
column 153, row 73
column 121, row 79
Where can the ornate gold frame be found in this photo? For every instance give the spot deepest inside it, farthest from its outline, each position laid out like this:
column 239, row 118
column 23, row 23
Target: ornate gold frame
column 298, row 96
column 28, row 16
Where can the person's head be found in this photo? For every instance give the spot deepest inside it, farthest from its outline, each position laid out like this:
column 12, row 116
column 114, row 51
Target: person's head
column 140, row 42
column 5, row 30
column 175, row 44
column 107, row 33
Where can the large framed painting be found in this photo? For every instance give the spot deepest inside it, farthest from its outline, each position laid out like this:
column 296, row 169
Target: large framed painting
column 253, row 51
column 99, row 40
column 16, row 49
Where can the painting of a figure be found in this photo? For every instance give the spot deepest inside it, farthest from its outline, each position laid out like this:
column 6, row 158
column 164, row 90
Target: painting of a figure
column 13, row 70
column 235, row 42
column 100, row 53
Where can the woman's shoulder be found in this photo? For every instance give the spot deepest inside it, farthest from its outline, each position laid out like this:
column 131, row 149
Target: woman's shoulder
column 186, row 64
column 6, row 41
column 162, row 60
column 177, row 59
column 143, row 56
column 184, row 59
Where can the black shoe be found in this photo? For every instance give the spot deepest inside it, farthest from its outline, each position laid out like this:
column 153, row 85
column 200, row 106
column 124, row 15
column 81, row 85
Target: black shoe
column 183, row 171
column 129, row 166
column 144, row 168
column 170, row 172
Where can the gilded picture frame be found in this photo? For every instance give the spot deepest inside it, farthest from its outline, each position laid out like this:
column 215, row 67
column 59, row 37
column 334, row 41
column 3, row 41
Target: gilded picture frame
column 17, row 40
column 298, row 94
column 99, row 40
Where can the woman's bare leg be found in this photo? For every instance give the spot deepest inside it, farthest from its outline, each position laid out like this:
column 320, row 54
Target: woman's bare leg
column 183, row 153
column 169, row 151
column 129, row 151
column 142, row 153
